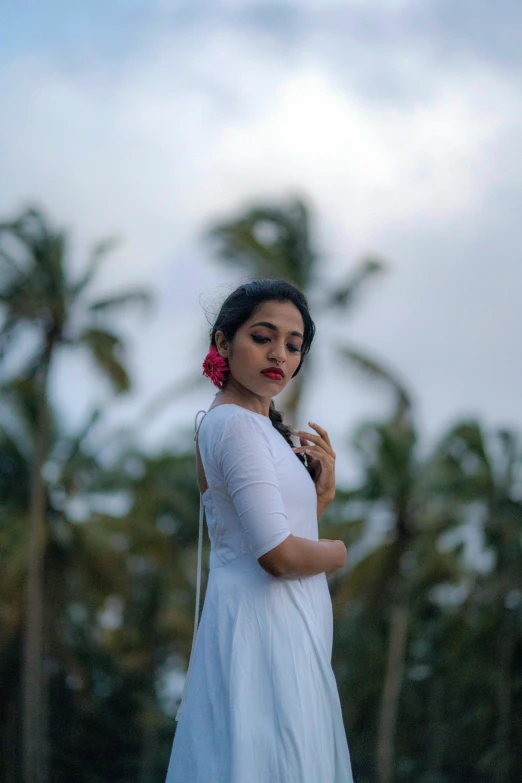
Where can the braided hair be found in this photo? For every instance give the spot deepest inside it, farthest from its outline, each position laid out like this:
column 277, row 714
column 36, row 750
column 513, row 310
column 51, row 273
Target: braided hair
column 241, row 304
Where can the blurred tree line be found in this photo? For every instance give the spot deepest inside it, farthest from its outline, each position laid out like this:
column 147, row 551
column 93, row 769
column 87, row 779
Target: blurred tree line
column 98, row 547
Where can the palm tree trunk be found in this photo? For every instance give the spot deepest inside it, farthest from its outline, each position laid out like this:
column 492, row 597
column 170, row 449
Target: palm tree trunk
column 507, row 646
column 34, row 740
column 435, row 749
column 391, row 693
column 9, row 751
column 149, row 750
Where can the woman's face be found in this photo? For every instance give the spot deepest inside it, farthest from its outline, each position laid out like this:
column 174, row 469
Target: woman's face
column 275, row 331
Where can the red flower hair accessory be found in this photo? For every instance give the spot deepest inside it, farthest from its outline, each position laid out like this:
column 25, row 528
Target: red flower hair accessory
column 215, row 367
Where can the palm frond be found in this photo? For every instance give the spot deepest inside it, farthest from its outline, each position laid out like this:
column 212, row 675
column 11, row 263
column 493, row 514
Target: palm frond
column 75, row 444
column 106, row 348
column 376, row 371
column 96, row 258
column 345, row 295
column 461, row 461
column 9, row 267
column 29, row 225
column 138, row 297
column 19, row 398
column 37, row 293
column 269, row 240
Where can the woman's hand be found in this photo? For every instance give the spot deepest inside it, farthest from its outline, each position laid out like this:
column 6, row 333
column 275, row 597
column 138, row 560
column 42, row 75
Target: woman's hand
column 321, row 458
column 332, row 571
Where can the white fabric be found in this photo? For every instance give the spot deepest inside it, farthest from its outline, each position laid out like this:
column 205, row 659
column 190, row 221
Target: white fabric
column 261, row 702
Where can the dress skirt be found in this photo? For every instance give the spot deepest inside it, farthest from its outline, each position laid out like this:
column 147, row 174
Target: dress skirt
column 261, row 702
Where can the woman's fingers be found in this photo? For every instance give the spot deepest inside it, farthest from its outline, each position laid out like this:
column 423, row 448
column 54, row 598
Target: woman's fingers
column 316, row 439
column 308, row 436
column 301, row 449
column 321, row 431
column 319, row 454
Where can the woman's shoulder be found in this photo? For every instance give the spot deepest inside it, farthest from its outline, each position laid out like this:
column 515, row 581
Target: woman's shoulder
column 232, row 416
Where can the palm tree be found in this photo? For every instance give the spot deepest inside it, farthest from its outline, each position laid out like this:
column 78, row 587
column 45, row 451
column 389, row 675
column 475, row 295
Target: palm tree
column 481, row 472
column 392, row 577
column 15, row 480
column 159, row 534
column 69, row 549
column 38, row 297
column 276, row 240
column 143, row 558
column 390, row 476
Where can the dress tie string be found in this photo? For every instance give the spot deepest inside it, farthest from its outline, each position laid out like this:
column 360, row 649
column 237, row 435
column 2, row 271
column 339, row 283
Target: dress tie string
column 198, row 577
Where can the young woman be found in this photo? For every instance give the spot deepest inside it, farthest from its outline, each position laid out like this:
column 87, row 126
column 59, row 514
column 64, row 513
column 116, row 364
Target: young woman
column 261, row 702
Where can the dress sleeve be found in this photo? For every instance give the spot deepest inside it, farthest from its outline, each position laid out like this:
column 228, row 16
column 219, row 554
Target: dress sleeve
column 246, row 461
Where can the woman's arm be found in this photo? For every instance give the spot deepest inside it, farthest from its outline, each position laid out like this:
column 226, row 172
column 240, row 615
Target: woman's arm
column 298, row 557
column 245, row 459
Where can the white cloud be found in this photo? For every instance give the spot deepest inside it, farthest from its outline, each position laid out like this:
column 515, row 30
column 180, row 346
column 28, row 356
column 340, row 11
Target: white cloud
column 191, row 128
column 380, row 166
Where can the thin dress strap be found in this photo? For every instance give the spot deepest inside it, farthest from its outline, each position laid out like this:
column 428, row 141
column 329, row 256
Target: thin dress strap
column 198, row 578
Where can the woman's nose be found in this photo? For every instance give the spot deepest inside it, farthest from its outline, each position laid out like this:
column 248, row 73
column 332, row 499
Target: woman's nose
column 278, row 355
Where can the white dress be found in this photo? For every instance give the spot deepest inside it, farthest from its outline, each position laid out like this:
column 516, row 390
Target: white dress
column 261, row 702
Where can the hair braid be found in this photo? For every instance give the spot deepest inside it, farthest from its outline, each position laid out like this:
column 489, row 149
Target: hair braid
column 276, row 417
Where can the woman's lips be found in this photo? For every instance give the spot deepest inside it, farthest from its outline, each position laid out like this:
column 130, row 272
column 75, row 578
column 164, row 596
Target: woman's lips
column 273, row 376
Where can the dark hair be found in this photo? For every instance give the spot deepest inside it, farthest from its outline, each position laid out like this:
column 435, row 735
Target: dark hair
column 242, row 303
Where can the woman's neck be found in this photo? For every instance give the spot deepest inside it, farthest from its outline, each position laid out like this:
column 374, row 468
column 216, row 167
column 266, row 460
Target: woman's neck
column 250, row 403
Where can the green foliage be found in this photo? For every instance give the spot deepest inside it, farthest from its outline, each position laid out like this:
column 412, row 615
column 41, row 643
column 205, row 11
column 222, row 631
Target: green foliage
column 457, row 716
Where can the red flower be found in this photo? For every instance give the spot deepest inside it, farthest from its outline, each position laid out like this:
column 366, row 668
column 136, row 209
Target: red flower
column 215, row 367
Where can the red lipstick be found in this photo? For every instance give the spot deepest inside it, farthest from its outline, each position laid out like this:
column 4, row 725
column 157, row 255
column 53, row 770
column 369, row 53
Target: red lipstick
column 274, row 373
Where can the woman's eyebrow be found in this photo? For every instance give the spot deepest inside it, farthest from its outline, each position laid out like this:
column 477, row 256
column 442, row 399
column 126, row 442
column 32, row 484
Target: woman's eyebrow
column 274, row 328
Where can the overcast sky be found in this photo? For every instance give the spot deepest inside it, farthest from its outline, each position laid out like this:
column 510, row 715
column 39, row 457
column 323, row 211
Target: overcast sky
column 400, row 120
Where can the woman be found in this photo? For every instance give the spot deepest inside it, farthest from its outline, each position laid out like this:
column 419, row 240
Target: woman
column 261, row 702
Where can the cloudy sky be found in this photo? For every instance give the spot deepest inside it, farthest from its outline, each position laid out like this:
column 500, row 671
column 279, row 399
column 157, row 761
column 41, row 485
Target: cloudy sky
column 400, row 121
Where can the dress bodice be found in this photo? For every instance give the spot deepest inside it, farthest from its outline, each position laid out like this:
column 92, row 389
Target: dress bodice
column 258, row 490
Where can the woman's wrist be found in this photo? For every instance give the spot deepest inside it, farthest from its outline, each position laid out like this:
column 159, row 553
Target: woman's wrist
column 322, row 502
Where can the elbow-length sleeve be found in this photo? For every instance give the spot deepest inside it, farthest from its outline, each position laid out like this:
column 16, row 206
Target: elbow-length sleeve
column 247, row 464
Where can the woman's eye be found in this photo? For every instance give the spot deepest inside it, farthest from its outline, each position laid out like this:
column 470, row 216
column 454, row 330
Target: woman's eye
column 259, row 339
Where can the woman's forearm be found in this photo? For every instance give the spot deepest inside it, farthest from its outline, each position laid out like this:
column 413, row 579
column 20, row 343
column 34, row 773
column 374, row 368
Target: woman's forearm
column 298, row 557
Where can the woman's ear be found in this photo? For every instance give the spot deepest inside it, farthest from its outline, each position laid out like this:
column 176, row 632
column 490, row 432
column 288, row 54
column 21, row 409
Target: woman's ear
column 221, row 344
